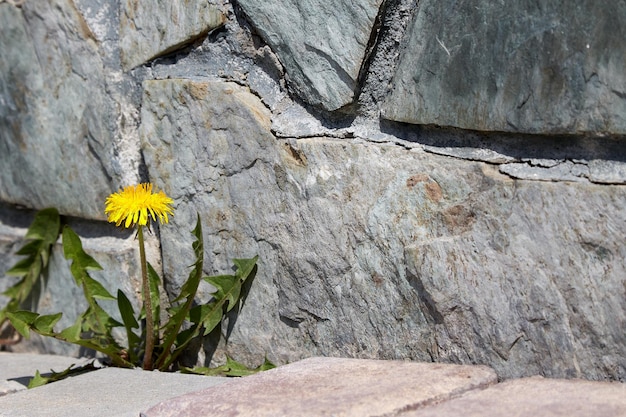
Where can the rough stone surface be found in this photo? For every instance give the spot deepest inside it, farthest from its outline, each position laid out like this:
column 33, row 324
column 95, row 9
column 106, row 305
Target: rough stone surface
column 321, row 44
column 331, row 387
column 377, row 239
column 531, row 397
column 372, row 251
column 522, row 67
column 55, row 146
column 149, row 29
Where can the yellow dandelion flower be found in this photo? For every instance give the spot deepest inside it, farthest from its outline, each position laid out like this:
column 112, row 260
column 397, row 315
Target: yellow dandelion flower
column 136, row 204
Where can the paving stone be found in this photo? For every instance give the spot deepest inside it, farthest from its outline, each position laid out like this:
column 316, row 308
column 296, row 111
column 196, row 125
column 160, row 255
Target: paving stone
column 19, row 368
column 535, row 396
column 106, row 392
column 331, row 387
column 16, row 370
column 9, row 387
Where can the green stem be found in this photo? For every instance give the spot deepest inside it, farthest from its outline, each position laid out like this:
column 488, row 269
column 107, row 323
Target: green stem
column 147, row 303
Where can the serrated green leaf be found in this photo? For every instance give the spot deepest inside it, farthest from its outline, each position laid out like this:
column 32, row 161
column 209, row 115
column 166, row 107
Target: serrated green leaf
column 43, row 233
column 237, row 369
column 45, row 324
column 228, row 288
column 45, row 226
column 174, row 310
column 95, row 319
column 73, row 250
column 22, row 267
column 195, row 313
column 211, row 314
column 154, row 281
column 202, row 370
column 126, row 310
column 22, row 321
column 18, row 292
column 72, row 245
column 13, row 291
column 104, row 321
column 130, row 323
column 208, row 316
column 37, row 381
column 245, row 267
column 266, row 366
column 232, row 368
column 72, row 333
column 187, row 294
column 190, row 286
column 96, row 290
column 185, row 336
column 222, row 283
column 30, row 248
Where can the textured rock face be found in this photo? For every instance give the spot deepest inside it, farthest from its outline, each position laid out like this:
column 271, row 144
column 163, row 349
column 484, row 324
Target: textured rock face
column 322, row 44
column 520, row 67
column 375, row 239
column 377, row 252
column 56, row 149
column 149, row 29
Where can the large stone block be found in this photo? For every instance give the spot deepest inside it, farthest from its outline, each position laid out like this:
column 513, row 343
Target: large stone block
column 322, row 44
column 371, row 250
column 55, row 140
column 522, row 67
column 149, row 29
column 196, row 135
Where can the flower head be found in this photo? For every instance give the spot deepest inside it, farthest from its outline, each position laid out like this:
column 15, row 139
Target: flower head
column 135, row 204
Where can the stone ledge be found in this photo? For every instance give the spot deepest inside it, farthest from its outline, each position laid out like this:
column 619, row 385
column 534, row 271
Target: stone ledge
column 106, row 392
column 332, row 386
column 311, row 387
column 536, row 396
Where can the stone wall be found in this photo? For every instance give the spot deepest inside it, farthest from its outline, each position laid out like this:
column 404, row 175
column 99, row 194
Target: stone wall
column 432, row 180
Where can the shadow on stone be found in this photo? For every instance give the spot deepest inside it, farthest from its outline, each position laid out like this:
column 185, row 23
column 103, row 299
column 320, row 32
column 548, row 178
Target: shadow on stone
column 513, row 145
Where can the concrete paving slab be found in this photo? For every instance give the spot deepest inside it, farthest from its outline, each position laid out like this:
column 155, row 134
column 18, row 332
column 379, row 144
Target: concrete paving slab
column 16, row 369
column 536, row 396
column 108, row 392
column 9, row 387
column 331, row 387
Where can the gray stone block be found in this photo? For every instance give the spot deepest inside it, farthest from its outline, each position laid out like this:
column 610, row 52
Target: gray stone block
column 321, row 44
column 56, row 146
column 149, row 29
column 369, row 250
column 520, row 67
